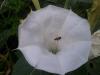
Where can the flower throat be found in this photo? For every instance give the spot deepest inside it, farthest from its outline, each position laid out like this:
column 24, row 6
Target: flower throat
column 56, row 49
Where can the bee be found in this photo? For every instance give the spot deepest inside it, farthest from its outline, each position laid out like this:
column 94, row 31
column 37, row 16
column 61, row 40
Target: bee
column 58, row 38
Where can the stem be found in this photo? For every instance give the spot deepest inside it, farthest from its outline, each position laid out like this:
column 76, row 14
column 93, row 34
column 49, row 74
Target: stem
column 36, row 4
column 67, row 4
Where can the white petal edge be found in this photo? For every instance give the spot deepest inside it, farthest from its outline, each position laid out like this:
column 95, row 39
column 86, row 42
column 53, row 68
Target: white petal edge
column 32, row 54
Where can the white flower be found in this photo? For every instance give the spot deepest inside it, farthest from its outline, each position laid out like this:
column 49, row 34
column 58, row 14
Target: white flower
column 96, row 44
column 55, row 40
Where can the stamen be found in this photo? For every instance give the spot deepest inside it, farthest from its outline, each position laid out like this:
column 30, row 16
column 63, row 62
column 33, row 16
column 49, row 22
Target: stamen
column 55, row 49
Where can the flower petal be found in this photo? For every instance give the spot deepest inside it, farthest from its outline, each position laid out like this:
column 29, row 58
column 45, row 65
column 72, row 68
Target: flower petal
column 26, row 31
column 76, row 28
column 74, row 55
column 32, row 54
column 44, row 20
column 96, row 44
column 42, row 27
column 49, row 63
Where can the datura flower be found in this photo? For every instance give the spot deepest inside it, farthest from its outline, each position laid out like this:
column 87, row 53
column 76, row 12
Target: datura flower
column 96, row 44
column 55, row 40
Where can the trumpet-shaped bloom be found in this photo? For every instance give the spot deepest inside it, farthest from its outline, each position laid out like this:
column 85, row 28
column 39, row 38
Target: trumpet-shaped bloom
column 96, row 44
column 55, row 40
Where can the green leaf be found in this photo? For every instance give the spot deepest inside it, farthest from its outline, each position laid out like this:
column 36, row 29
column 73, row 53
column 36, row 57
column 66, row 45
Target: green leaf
column 80, row 7
column 53, row 1
column 94, row 66
column 22, row 67
column 80, row 71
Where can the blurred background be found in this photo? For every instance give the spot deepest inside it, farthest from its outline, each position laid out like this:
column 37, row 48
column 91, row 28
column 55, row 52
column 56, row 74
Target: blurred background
column 12, row 61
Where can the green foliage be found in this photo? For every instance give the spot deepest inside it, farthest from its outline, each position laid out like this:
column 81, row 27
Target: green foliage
column 10, row 17
column 11, row 11
column 80, row 6
column 8, row 28
column 44, row 3
column 14, row 5
column 22, row 67
column 96, row 26
column 94, row 66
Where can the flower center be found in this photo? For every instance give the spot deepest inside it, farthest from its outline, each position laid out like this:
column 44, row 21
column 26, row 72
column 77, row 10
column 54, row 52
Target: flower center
column 55, row 49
